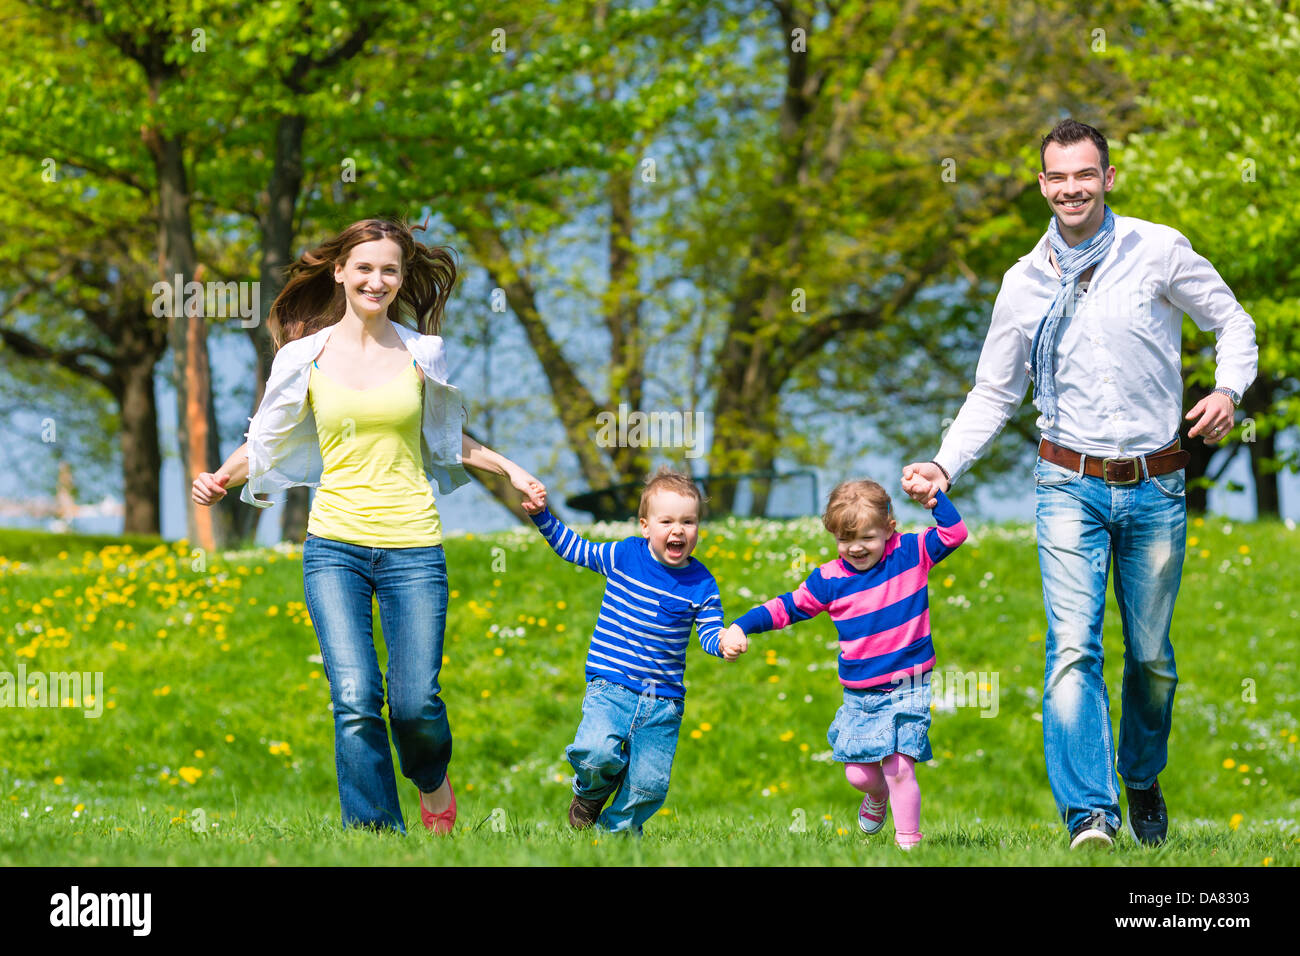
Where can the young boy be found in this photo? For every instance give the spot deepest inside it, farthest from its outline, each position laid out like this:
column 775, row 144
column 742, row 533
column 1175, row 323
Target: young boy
column 632, row 710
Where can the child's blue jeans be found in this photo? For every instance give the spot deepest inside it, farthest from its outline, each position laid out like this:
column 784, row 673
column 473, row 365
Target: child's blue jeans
column 626, row 742
column 410, row 585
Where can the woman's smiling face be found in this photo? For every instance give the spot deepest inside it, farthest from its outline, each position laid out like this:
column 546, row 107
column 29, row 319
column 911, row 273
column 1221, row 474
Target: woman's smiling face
column 371, row 276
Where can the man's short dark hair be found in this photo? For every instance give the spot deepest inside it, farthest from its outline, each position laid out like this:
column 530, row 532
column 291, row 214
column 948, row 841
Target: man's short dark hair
column 1068, row 132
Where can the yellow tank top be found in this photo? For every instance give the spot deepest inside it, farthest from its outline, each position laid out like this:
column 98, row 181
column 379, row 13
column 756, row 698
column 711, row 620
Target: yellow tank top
column 372, row 491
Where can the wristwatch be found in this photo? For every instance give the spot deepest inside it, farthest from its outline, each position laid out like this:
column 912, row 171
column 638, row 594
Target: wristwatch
column 1235, row 398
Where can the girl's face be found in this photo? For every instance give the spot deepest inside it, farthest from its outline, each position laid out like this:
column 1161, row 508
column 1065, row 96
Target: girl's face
column 371, row 277
column 864, row 547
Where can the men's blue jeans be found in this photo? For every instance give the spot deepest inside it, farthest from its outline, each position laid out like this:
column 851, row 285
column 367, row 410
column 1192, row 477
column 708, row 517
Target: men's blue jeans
column 410, row 584
column 626, row 741
column 1086, row 527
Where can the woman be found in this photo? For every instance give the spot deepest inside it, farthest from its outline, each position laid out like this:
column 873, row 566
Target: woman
column 358, row 406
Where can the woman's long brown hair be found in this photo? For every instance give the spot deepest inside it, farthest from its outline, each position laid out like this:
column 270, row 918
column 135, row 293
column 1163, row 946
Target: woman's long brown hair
column 312, row 300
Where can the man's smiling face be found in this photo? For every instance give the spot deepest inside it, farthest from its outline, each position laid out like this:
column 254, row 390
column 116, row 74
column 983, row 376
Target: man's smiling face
column 1075, row 186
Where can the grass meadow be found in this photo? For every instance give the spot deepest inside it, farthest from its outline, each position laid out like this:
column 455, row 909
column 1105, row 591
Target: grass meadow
column 213, row 743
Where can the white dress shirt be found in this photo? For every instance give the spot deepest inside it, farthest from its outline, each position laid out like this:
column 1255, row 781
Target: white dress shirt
column 1119, row 355
column 284, row 447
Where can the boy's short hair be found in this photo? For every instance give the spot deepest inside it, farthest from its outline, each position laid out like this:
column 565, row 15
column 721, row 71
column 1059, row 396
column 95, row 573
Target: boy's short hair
column 666, row 479
column 855, row 505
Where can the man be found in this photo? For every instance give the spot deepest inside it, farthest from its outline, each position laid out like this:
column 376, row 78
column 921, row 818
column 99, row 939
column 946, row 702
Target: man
column 1094, row 316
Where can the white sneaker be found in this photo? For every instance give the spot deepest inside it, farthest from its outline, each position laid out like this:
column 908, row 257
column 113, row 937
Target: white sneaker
column 871, row 815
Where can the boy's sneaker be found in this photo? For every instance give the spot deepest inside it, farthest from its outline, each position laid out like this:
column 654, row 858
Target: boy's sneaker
column 583, row 811
column 871, row 815
column 1094, row 831
column 1148, row 821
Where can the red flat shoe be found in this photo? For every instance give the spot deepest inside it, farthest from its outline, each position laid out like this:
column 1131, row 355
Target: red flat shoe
column 439, row 822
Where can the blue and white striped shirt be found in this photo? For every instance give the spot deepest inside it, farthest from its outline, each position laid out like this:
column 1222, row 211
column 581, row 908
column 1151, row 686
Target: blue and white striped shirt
column 647, row 612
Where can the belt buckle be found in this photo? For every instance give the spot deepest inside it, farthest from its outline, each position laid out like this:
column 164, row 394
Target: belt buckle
column 1105, row 470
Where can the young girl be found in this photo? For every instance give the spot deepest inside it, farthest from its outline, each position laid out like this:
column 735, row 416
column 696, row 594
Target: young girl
column 875, row 592
column 358, row 406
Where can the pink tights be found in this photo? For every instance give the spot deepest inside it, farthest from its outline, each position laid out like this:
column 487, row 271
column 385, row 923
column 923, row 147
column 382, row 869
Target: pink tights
column 894, row 776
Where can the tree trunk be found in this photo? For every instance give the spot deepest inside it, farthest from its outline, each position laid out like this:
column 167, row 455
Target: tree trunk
column 141, row 456
column 277, row 255
column 196, row 427
column 1263, row 452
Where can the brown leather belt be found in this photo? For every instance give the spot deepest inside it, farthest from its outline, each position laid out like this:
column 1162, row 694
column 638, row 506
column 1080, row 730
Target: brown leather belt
column 1117, row 471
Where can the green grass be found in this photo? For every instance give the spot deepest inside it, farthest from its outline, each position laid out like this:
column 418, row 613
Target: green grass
column 215, row 744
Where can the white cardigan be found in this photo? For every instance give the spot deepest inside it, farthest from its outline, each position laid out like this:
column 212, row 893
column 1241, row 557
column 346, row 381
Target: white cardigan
column 284, row 448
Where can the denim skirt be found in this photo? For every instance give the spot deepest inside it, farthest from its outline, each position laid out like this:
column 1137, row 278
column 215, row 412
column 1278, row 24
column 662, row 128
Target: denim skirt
column 872, row 724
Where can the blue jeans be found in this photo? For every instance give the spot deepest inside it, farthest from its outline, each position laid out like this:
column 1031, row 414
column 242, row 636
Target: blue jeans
column 626, row 742
column 1085, row 527
column 410, row 584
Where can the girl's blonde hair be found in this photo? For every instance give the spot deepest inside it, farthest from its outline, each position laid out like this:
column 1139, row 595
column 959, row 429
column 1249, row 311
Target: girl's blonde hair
column 312, row 300
column 856, row 505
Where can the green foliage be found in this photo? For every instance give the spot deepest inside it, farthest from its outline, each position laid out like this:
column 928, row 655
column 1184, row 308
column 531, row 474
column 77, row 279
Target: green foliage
column 1217, row 160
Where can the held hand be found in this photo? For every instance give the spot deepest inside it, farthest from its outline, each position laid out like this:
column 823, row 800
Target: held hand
column 209, row 488
column 733, row 643
column 1214, row 418
column 921, row 480
column 535, row 491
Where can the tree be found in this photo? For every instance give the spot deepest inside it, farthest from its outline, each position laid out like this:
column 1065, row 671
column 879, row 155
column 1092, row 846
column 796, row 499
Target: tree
column 1217, row 160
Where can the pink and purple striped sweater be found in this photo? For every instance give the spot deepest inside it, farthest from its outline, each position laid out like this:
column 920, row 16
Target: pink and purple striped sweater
column 883, row 613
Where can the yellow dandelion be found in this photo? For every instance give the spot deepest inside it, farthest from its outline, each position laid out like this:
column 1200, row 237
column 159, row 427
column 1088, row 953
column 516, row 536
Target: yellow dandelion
column 189, row 774
column 1243, row 768
column 560, row 605
column 272, row 611
column 1229, row 763
column 559, row 627
column 696, row 735
column 230, row 738
column 803, row 747
column 58, row 781
column 787, row 736
column 199, row 754
column 774, row 678
column 455, row 594
column 705, row 726
column 1244, row 549
column 949, row 581
column 1268, row 860
column 498, row 651
column 1193, row 542
column 1235, row 821
column 81, row 806
column 485, row 693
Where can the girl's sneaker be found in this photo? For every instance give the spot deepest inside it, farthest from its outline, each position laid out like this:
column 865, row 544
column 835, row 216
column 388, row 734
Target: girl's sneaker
column 871, row 815
column 907, row 841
